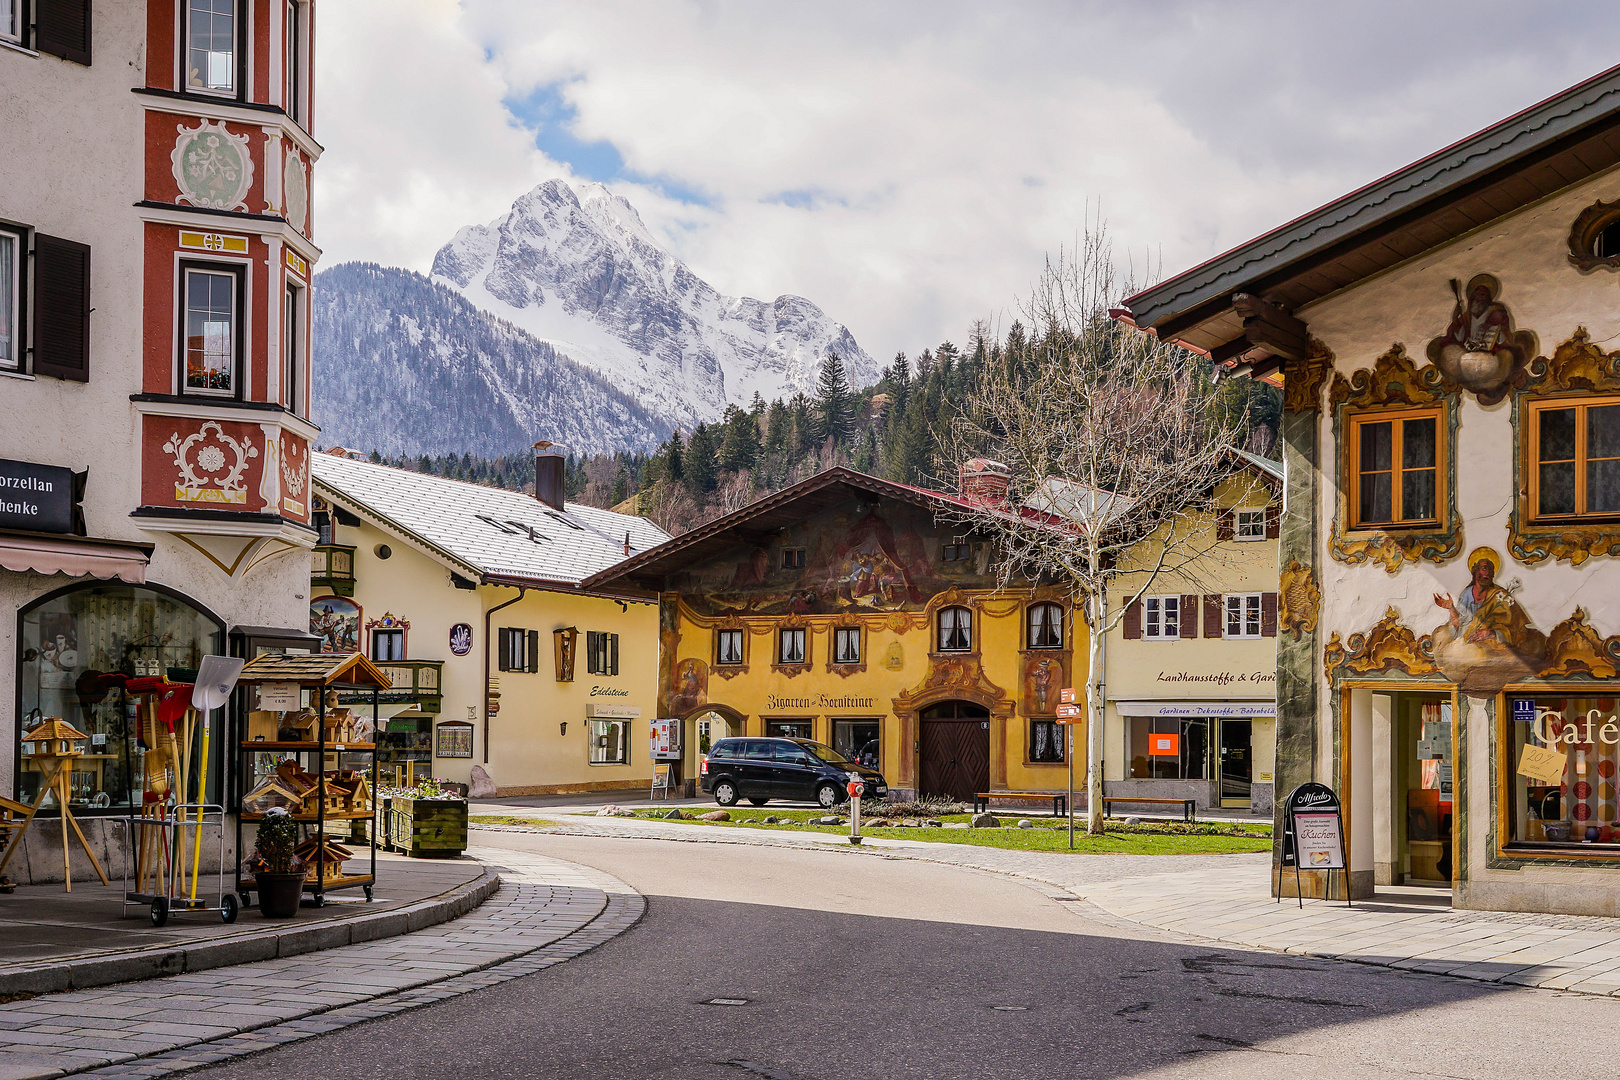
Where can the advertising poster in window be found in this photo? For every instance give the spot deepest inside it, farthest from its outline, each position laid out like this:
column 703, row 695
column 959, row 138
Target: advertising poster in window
column 1318, row 841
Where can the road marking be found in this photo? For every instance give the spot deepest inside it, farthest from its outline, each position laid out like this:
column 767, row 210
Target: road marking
column 726, row 1001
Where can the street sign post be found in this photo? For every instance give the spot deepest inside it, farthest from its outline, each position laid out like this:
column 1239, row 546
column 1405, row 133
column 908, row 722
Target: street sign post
column 1068, row 714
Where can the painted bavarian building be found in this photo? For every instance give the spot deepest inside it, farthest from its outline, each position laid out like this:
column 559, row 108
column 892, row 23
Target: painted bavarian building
column 840, row 610
column 1449, row 657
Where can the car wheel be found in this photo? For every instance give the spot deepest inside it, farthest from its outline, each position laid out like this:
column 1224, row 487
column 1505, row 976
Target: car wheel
column 758, row 802
column 827, row 796
column 725, row 793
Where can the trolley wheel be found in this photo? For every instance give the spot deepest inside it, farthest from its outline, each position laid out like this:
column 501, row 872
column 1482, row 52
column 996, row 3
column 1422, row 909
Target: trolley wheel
column 160, row 911
column 368, row 894
column 229, row 908
column 245, row 898
column 318, row 901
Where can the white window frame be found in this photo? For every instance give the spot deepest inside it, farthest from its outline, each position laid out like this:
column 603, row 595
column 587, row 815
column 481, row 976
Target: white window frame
column 600, row 728
column 790, row 645
column 234, row 89
column 1241, row 615
column 234, row 275
column 721, row 657
column 1161, row 618
column 292, row 334
column 13, row 298
column 1254, row 528
column 11, row 26
column 960, row 629
column 843, row 637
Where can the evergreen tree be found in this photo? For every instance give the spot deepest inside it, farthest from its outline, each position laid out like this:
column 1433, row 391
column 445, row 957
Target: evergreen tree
column 739, row 447
column 674, row 459
column 834, row 406
column 699, row 462
column 621, row 486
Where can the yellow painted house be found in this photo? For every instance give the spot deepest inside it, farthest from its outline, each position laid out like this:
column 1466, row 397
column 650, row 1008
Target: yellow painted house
column 470, row 598
column 1190, row 671
column 842, row 610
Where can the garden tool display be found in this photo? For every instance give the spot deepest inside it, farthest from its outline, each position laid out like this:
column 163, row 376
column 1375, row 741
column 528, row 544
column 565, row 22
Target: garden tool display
column 215, row 681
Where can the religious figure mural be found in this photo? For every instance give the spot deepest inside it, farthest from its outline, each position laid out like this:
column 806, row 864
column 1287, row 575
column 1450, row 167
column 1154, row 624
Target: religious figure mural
column 1043, row 678
column 691, row 687
column 1487, row 640
column 1480, row 350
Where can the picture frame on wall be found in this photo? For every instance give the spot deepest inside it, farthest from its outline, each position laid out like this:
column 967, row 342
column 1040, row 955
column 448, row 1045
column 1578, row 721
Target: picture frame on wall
column 453, row 739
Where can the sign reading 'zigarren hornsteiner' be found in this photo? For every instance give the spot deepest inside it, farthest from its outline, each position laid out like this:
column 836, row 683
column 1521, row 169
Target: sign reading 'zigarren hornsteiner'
column 817, row 701
column 38, row 498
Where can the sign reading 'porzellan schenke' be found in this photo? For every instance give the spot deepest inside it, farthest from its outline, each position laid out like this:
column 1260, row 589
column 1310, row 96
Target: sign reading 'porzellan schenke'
column 38, row 498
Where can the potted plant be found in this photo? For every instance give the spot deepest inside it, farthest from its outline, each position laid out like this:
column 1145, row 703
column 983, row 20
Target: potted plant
column 279, row 877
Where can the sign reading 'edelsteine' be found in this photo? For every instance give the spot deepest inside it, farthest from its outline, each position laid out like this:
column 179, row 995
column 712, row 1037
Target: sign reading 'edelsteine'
column 38, row 498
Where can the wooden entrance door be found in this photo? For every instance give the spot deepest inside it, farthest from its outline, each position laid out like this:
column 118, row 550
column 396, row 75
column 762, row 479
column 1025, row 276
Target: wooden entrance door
column 954, row 759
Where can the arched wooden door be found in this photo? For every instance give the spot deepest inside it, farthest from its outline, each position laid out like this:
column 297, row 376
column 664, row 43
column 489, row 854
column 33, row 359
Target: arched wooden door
column 954, row 756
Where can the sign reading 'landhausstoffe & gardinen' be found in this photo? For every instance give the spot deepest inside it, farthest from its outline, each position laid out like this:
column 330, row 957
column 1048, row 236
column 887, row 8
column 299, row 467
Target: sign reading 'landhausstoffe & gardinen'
column 38, row 498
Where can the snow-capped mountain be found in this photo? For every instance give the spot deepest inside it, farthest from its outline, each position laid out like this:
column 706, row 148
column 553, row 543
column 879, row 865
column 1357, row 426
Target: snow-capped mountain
column 581, row 271
column 405, row 366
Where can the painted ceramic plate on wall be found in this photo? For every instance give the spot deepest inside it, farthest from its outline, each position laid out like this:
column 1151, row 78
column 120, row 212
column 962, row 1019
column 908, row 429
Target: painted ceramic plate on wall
column 461, row 639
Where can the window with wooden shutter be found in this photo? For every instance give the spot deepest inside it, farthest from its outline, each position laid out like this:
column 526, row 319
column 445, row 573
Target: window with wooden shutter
column 1223, row 524
column 613, row 654
column 531, row 658
column 1268, row 614
column 61, row 308
column 1189, row 617
column 1273, row 522
column 62, row 28
column 593, row 652
column 1214, row 612
column 503, row 649
column 13, row 21
column 13, row 298
column 1133, row 621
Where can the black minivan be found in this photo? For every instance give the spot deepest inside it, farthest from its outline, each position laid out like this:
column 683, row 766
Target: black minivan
column 762, row 769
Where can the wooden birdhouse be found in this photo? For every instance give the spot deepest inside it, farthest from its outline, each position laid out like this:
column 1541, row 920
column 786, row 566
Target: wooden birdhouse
column 56, row 738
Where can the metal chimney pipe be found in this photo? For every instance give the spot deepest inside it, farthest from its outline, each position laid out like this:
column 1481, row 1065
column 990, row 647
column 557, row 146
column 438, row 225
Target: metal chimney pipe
column 549, row 483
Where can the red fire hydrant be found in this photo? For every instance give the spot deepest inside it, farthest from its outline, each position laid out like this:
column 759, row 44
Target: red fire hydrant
column 856, row 788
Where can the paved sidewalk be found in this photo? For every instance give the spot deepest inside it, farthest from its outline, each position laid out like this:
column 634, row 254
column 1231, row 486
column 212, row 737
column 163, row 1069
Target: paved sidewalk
column 545, row 912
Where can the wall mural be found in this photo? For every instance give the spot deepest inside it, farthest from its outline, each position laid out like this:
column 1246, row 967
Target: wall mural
column 1043, row 678
column 858, row 559
column 336, row 621
column 691, row 687
column 1480, row 351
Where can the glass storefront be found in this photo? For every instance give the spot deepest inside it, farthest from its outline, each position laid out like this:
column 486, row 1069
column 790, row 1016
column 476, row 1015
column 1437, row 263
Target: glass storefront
column 858, row 740
column 70, row 641
column 1563, row 754
column 1168, row 748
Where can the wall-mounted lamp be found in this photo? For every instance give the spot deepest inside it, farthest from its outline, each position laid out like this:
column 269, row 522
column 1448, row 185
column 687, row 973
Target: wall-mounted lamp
column 564, row 726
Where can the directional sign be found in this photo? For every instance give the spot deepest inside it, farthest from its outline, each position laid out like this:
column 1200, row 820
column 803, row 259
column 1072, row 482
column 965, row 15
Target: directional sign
column 1066, row 695
column 1068, row 713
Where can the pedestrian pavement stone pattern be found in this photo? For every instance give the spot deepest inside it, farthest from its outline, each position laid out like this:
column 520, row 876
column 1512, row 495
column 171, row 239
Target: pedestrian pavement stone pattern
column 545, row 912
column 1555, row 952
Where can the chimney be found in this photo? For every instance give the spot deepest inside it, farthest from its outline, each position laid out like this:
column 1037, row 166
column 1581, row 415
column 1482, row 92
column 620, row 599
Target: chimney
column 986, row 481
column 548, row 474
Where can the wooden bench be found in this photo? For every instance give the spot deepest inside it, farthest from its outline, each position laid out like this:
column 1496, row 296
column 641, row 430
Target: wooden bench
column 1189, row 807
column 1060, row 799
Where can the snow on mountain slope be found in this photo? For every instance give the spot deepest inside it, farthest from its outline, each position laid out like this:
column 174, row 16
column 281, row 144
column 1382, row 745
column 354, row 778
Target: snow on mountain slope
column 581, row 271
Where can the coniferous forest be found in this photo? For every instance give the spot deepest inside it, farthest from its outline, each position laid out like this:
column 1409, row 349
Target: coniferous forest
column 890, row 429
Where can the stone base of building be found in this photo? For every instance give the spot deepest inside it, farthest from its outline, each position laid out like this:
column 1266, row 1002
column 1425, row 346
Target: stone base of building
column 1261, row 799
column 1566, row 898
column 1205, row 792
column 572, row 789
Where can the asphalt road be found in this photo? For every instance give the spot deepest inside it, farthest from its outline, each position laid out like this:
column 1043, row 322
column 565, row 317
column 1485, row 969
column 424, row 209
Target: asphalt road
column 858, row 967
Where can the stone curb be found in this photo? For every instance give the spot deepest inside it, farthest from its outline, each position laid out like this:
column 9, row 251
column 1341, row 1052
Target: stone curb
column 246, row 947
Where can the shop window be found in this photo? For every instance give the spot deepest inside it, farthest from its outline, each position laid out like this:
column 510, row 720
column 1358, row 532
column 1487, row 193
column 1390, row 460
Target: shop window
column 1167, row 748
column 1559, row 780
column 11, row 293
column 1045, row 626
column 728, row 646
column 517, row 649
column 790, row 729
column 1046, row 741
column 69, row 641
column 211, row 342
column 610, row 742
column 847, row 645
column 955, row 629
column 793, row 558
column 1396, row 466
column 211, row 46
column 388, row 644
column 1575, row 471
column 1161, row 618
column 859, row 741
column 790, row 645
column 601, row 653
column 1243, row 615
column 1251, row 524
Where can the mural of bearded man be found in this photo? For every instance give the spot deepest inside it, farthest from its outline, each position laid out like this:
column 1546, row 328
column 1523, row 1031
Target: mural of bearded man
column 1487, row 640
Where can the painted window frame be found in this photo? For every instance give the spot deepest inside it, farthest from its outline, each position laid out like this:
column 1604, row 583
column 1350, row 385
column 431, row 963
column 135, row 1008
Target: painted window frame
column 842, row 635
column 597, row 729
column 1533, row 409
column 958, row 636
column 800, row 638
column 16, row 297
column 1154, row 622
column 387, row 633
column 1056, row 731
column 1249, row 525
column 238, row 275
column 238, row 61
column 1397, row 418
column 739, row 638
column 1242, row 610
column 17, row 32
column 1049, row 624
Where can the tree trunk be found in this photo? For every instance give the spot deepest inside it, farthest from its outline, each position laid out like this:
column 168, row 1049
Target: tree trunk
column 1097, row 607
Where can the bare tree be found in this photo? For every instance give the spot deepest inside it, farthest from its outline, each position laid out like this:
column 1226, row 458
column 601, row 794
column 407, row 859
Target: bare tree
column 1113, row 442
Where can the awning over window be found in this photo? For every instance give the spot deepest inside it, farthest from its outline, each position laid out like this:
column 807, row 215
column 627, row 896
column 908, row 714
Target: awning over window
column 75, row 557
column 1235, row 710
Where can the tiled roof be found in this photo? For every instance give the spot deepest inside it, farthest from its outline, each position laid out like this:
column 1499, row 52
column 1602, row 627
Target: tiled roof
column 348, row 668
column 490, row 532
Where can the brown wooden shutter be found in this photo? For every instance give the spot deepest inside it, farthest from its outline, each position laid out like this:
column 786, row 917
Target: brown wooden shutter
column 592, row 667
column 1273, row 522
column 61, row 308
column 534, row 651
column 1223, row 524
column 1268, row 614
column 1187, row 616
column 1214, row 615
column 503, row 651
column 613, row 647
column 1133, row 620
column 62, row 28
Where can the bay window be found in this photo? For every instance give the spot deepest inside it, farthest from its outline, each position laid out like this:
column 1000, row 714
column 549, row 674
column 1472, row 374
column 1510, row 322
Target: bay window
column 211, row 46
column 210, row 322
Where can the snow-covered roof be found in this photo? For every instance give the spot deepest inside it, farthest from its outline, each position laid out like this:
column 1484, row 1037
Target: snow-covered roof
column 485, row 531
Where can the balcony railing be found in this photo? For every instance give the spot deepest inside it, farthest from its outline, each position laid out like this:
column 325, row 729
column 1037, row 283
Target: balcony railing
column 417, row 682
column 331, row 566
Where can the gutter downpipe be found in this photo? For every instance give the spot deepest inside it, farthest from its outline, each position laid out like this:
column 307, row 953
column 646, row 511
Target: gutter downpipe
column 487, row 613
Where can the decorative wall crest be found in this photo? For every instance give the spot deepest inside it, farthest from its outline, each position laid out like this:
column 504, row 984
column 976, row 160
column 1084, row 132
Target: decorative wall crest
column 955, row 675
column 1480, row 350
column 1299, row 601
column 1577, row 364
column 1574, row 648
column 1303, row 379
column 212, row 167
column 295, row 193
column 1584, row 233
column 211, row 465
column 1392, row 380
column 1387, row 647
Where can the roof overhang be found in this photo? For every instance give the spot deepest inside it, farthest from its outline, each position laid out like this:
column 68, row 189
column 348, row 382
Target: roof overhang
column 1240, row 308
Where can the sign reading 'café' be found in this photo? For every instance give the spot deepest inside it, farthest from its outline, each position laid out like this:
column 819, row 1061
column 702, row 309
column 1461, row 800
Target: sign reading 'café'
column 38, row 498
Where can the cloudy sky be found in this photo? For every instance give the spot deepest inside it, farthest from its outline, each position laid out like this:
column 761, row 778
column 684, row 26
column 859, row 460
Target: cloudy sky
column 908, row 165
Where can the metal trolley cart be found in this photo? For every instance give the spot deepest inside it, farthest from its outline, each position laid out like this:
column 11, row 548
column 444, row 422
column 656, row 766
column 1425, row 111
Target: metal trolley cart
column 165, row 856
column 299, row 749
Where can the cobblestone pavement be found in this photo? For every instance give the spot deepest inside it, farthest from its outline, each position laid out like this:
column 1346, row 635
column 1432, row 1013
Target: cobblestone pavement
column 545, row 912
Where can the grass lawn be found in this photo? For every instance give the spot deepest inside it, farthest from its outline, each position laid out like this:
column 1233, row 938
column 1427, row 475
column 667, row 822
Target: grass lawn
column 1149, row 838
column 508, row 819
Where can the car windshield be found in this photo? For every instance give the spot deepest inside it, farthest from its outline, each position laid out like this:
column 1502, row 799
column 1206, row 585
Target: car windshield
column 825, row 753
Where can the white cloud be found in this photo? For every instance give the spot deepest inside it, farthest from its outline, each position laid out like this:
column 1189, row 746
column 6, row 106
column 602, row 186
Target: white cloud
column 932, row 153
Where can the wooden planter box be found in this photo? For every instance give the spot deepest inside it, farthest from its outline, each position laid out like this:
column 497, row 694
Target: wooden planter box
column 427, row 828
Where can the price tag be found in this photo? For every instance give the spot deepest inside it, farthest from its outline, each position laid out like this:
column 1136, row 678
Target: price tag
column 279, row 697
